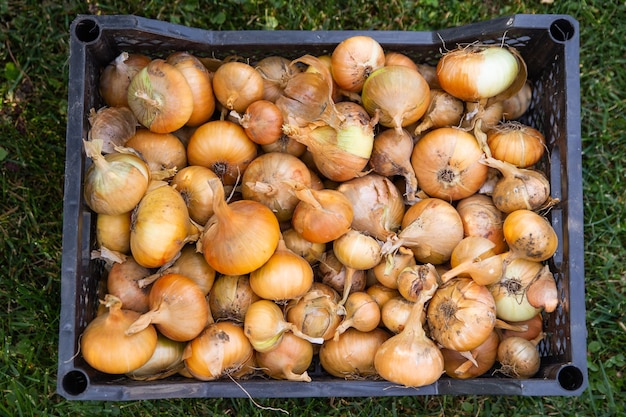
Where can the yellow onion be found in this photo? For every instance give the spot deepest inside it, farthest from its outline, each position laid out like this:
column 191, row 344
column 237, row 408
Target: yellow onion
column 192, row 184
column 223, row 147
column 221, row 349
column 178, row 309
column 518, row 357
column 160, row 226
column 387, row 270
column 516, row 143
column 166, row 360
column 354, row 59
column 162, row 151
column 262, row 122
column 410, row 358
column 284, row 276
column 362, row 313
column 398, row 94
column 461, row 314
column 542, row 292
column 482, row 218
column 114, row 183
column 115, row 77
column 447, row 164
column 333, row 273
column 415, row 279
column 160, row 97
column 395, row 313
column 237, row 85
column 510, row 292
column 528, row 329
column 289, row 359
column 107, row 348
column 123, row 282
column 397, row 58
column 113, row 232
column 377, row 205
column 113, row 125
column 514, row 107
column 230, row 297
column 530, row 235
column 310, row 251
column 444, row 110
column 240, row 236
column 276, row 72
column 480, row 360
column 316, row 313
column 351, row 356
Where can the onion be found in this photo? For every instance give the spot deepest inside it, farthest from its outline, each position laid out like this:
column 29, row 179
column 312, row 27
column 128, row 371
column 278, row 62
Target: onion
column 160, row 97
column 354, row 59
column 381, row 294
column 516, row 143
column 263, row 181
column 265, row 325
column 113, row 125
column 105, row 346
column 310, row 251
column 362, row 313
column 399, row 94
column 123, row 282
column 221, row 349
column 482, row 358
column 178, row 309
column 192, row 184
column 321, row 216
column 115, row 77
column 431, row 229
column 410, row 358
column 240, row 236
column 519, row 357
column 276, row 72
column 515, row 106
column 391, row 155
column 237, row 85
column 387, row 270
column 284, row 276
column 286, row 144
column 542, row 292
column 534, row 326
column 397, row 58
column 447, row 164
column 262, row 122
column 510, row 292
column 351, row 356
column 444, row 110
column 166, row 360
column 482, row 218
column 395, row 313
column 333, row 273
column 412, row 280
column 316, row 313
column 162, row 151
column 461, row 314
column 114, row 183
column 530, row 236
column 377, row 205
column 223, row 147
column 113, row 232
column 289, row 359
column 230, row 297
column 160, row 226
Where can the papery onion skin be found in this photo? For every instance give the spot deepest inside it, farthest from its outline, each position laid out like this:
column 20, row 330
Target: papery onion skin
column 354, row 59
column 482, row 218
column 166, row 360
column 530, row 235
column 484, row 355
column 123, row 282
column 236, row 85
column 114, row 125
column 517, row 144
column 276, row 72
column 400, row 94
column 113, row 232
column 446, row 164
column 351, row 357
column 518, row 358
column 191, row 183
column 289, row 360
column 116, row 77
column 510, row 292
column 230, row 297
column 160, row 150
column 221, row 349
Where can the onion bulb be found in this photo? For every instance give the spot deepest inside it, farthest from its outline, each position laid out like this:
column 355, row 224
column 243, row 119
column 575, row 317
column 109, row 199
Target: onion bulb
column 316, row 313
column 107, row 348
column 412, row 280
column 223, row 147
column 410, row 358
column 354, row 59
column 113, row 125
column 237, row 85
column 166, row 360
column 114, row 183
column 518, row 357
column 162, row 151
column 444, row 110
column 262, row 122
column 160, row 97
column 387, row 270
column 533, row 326
column 447, row 164
column 397, row 58
column 391, row 155
column 461, row 314
column 481, row 359
column 284, row 276
column 310, row 251
column 516, row 143
column 482, row 218
column 395, row 313
column 265, row 325
column 221, row 349
column 240, row 236
column 362, row 313
column 113, row 232
column 289, row 359
column 351, row 356
column 178, row 309
column 514, row 107
column 160, row 226
column 333, row 273
column 115, row 77
column 530, row 235
column 123, row 281
column 276, row 72
column 542, row 292
column 398, row 94
column 230, row 297
column 192, row 184
column 510, row 292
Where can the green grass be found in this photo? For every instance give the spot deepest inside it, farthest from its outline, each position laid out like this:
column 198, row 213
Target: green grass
column 33, row 84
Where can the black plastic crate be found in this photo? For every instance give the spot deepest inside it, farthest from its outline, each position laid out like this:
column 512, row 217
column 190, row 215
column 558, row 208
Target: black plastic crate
column 550, row 46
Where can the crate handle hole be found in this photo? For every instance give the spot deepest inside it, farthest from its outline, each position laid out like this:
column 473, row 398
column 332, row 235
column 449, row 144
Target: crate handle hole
column 87, row 30
column 562, row 30
column 75, row 382
column 570, row 378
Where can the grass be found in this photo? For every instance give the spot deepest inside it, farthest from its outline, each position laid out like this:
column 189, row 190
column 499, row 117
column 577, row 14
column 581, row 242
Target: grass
column 33, row 85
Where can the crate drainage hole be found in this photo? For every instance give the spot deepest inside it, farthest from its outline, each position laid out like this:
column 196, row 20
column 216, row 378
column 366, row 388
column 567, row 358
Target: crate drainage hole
column 570, row 378
column 562, row 30
column 87, row 30
column 75, row 382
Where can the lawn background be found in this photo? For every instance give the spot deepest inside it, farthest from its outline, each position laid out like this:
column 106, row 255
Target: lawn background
column 33, row 84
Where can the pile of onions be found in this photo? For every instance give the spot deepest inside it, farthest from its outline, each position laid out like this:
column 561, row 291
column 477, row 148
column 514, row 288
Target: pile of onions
column 380, row 216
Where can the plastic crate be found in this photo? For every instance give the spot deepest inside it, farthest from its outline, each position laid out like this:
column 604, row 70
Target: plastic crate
column 550, row 46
